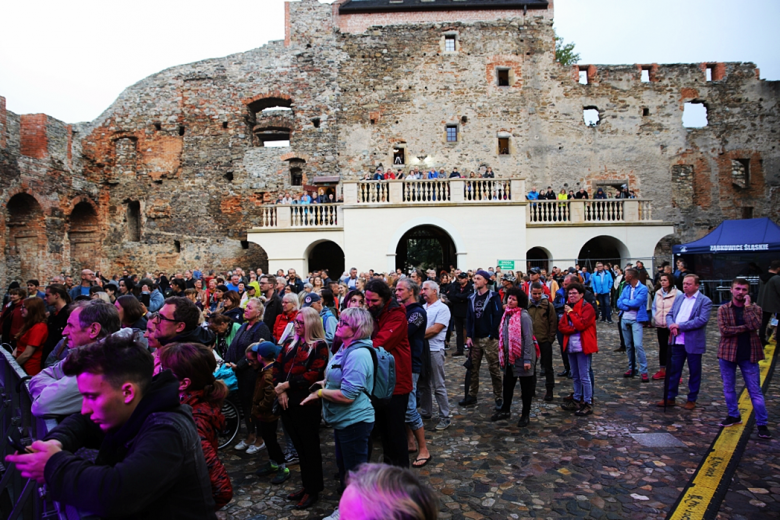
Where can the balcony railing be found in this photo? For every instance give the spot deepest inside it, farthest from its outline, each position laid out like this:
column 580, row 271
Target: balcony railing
column 585, row 211
column 286, row 216
column 433, row 191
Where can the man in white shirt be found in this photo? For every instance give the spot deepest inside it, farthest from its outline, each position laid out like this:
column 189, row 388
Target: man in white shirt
column 434, row 384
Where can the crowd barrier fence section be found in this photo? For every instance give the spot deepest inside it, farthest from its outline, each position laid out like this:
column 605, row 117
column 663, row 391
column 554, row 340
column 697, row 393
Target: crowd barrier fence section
column 21, row 498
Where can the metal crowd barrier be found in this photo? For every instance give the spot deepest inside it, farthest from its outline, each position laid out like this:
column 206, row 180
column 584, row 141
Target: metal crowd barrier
column 719, row 291
column 20, row 497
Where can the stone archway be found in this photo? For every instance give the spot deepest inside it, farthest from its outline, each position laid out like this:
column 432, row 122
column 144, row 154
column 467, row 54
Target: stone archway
column 326, row 255
column 425, row 247
column 25, row 238
column 602, row 249
column 84, row 236
column 537, row 257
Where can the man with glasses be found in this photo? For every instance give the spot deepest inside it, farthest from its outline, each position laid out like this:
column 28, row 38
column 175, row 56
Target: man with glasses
column 177, row 322
column 273, row 303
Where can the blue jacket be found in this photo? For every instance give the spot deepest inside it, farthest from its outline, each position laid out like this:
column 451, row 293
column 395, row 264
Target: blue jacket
column 638, row 304
column 156, row 301
column 494, row 310
column 695, row 328
column 329, row 323
column 601, row 282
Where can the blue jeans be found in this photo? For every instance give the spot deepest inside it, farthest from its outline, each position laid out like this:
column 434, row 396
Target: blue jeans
column 352, row 447
column 580, row 375
column 675, row 372
column 752, row 377
column 604, row 307
column 413, row 419
column 632, row 334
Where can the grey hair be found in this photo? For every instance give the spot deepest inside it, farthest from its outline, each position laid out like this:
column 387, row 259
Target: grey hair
column 433, row 285
column 98, row 311
column 292, row 298
column 411, row 285
column 359, row 320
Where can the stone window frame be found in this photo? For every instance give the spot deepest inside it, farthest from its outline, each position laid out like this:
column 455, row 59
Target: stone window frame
column 450, row 35
column 447, row 128
column 504, row 136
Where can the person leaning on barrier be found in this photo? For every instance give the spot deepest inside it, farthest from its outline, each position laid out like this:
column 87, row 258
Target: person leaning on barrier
column 150, row 463
column 53, row 393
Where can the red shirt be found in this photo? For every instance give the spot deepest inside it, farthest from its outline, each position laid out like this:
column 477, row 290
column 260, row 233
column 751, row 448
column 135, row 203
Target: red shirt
column 33, row 338
column 391, row 332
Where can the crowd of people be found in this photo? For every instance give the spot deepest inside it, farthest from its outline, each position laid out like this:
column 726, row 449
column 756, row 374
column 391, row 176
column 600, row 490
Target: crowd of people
column 620, row 193
column 414, row 173
column 117, row 359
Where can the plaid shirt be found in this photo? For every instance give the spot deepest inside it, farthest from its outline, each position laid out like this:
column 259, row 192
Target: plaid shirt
column 730, row 331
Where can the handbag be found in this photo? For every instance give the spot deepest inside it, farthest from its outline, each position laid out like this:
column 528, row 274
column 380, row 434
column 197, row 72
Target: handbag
column 276, row 408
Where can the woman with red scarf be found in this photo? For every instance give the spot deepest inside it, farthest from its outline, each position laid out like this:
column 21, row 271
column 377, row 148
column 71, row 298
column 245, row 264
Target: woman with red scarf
column 516, row 355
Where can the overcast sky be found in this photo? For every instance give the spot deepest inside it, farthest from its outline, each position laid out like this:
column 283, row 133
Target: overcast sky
column 72, row 59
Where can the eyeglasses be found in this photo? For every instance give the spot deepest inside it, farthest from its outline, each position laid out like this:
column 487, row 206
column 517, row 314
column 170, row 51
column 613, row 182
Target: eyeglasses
column 157, row 317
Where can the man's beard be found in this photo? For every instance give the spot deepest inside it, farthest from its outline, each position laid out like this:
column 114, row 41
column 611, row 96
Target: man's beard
column 375, row 311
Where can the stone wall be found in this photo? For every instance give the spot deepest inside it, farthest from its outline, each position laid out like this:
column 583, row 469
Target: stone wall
column 173, row 173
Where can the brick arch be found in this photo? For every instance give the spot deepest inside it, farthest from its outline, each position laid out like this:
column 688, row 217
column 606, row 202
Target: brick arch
column 25, row 236
column 271, row 99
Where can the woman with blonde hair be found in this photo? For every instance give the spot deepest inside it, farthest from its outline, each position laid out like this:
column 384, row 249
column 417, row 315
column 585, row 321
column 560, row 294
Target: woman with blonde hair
column 193, row 365
column 300, row 364
column 382, row 492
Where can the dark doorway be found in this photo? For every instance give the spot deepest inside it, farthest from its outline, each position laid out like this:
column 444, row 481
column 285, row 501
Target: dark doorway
column 327, row 255
column 425, row 247
column 601, row 249
column 399, row 156
column 537, row 257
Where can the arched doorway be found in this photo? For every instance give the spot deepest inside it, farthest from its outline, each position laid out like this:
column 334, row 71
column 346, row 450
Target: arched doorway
column 602, row 249
column 425, row 247
column 26, row 237
column 252, row 256
column 537, row 257
column 327, row 255
column 84, row 237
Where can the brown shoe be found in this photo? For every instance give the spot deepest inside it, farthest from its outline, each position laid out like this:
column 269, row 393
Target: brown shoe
column 690, row 405
column 620, row 349
column 668, row 402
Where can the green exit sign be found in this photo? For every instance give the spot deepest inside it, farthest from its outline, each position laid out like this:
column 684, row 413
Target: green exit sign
column 507, row 264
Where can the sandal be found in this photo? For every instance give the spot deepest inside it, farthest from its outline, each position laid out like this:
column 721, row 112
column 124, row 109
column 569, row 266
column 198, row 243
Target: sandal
column 424, row 462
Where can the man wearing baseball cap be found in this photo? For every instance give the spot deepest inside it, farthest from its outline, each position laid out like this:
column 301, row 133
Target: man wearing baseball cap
column 482, row 323
column 329, row 321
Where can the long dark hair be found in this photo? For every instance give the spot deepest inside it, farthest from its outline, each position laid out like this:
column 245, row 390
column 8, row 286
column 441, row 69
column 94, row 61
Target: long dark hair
column 197, row 363
column 36, row 313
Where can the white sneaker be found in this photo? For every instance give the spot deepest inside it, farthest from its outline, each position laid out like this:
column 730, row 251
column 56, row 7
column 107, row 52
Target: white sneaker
column 241, row 446
column 333, row 516
column 254, row 449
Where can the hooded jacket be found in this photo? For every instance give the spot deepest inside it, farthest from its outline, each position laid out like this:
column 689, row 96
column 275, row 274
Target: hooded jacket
column 152, row 467
column 582, row 319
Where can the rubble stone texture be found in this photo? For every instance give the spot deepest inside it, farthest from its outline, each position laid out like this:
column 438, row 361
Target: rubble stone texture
column 174, row 172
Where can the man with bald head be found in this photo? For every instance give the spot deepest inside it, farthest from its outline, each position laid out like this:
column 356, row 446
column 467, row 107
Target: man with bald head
column 87, row 281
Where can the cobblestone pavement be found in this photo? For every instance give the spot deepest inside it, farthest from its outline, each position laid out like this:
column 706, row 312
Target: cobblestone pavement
column 561, row 466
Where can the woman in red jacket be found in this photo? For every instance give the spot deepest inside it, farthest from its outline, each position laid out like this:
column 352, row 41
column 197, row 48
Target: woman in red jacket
column 290, row 305
column 193, row 365
column 32, row 337
column 578, row 326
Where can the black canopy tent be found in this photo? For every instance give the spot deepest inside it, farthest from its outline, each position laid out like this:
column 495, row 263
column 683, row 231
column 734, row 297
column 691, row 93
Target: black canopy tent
column 734, row 248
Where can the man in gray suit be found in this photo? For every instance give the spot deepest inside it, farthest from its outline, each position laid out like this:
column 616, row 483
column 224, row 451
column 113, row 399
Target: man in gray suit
column 687, row 322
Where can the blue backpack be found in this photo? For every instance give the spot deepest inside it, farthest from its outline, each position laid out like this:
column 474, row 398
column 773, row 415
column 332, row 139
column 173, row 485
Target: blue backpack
column 384, row 376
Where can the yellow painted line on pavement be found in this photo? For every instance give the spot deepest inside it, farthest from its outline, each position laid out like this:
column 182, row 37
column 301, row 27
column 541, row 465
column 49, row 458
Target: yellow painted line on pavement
column 698, row 496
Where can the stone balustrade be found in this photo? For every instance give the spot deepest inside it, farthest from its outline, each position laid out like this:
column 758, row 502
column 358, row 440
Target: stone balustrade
column 588, row 211
column 434, row 191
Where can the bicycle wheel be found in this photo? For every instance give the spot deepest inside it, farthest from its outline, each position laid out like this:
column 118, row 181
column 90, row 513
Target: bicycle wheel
column 232, row 423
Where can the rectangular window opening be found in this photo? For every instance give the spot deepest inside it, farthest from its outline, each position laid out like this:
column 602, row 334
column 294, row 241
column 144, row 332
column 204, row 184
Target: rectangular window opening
column 583, row 76
column 645, row 76
column 747, row 212
column 645, row 112
column 591, row 116
column 449, row 43
column 708, row 72
column 740, row 173
column 275, row 144
column 296, row 177
column 503, row 77
column 452, row 133
column 694, row 115
column 503, row 146
column 399, row 156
